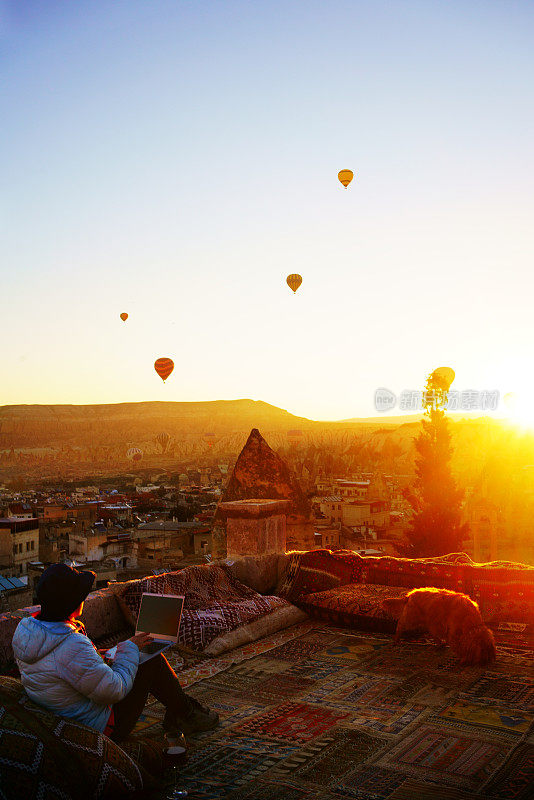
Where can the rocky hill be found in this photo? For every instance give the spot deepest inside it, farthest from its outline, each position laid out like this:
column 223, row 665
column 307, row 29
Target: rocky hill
column 93, row 425
column 48, row 440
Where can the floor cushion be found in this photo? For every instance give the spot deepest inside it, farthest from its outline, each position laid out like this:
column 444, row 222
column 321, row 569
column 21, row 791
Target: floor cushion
column 358, row 605
column 266, row 625
column 215, row 602
column 46, row 756
column 199, row 629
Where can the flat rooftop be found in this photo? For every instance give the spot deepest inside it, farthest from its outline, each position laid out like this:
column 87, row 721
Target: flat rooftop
column 321, row 712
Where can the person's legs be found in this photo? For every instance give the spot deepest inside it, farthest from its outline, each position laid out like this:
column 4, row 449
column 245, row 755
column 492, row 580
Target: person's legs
column 155, row 677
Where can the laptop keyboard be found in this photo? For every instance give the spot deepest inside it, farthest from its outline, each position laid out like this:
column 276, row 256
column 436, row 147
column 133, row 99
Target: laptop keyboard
column 152, row 647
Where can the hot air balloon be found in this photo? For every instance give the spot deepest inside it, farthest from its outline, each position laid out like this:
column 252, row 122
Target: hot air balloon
column 124, row 316
column 164, row 367
column 163, row 440
column 134, row 454
column 294, row 281
column 345, row 176
column 443, row 377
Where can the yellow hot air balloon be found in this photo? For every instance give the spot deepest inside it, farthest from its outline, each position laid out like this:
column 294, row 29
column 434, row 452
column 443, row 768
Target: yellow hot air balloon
column 164, row 367
column 444, row 376
column 124, row 316
column 294, row 281
column 345, row 176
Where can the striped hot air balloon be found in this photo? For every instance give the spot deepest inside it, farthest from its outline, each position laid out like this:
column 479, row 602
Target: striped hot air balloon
column 134, row 454
column 164, row 367
column 294, row 281
column 163, row 440
column 124, row 316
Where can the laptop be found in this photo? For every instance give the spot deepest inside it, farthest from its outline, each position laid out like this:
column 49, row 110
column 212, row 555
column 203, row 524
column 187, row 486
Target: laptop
column 159, row 615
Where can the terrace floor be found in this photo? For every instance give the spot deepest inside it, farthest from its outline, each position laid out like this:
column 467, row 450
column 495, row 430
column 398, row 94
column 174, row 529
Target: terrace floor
column 319, row 712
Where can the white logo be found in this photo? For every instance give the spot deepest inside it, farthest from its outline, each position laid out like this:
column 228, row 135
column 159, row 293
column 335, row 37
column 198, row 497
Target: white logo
column 384, row 399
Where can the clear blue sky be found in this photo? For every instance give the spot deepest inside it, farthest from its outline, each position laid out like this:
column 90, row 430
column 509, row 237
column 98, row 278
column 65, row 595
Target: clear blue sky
column 176, row 160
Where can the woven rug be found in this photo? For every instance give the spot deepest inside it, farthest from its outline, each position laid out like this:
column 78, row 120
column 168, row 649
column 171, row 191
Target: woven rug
column 317, row 712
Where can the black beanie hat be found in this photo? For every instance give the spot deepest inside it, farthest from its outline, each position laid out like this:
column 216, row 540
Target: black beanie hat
column 60, row 591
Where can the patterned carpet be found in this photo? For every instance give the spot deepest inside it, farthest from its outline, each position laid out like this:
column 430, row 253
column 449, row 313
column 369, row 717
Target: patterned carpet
column 315, row 712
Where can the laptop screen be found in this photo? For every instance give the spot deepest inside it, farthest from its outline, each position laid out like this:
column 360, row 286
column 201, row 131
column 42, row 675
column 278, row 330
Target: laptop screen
column 160, row 615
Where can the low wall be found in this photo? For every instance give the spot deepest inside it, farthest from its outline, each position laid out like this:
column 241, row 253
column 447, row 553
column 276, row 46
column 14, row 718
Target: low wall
column 101, row 616
column 504, row 590
column 11, row 601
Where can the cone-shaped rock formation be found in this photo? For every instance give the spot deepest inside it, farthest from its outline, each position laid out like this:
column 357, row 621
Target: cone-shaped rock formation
column 260, row 473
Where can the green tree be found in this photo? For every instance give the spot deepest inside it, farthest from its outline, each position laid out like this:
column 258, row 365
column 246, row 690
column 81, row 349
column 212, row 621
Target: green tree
column 436, row 527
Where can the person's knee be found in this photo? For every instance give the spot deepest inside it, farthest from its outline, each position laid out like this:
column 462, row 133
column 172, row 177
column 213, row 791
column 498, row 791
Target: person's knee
column 159, row 663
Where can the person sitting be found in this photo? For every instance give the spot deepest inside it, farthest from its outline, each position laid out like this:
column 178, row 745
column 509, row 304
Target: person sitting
column 62, row 670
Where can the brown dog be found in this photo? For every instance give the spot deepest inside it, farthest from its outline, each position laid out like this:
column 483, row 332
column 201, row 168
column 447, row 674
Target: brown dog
column 449, row 617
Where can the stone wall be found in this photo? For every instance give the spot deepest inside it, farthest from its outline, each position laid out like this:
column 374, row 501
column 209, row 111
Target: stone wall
column 11, row 601
column 101, row 616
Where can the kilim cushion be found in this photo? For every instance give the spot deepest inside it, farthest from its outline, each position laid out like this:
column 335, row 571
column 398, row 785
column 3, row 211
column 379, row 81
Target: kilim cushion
column 215, row 602
column 446, row 572
column 199, row 628
column 43, row 756
column 357, row 605
column 504, row 591
column 320, row 570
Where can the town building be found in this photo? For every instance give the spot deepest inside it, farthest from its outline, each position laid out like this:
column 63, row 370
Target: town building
column 166, row 543
column 19, row 544
column 328, row 536
column 350, row 490
column 14, row 593
column 103, row 542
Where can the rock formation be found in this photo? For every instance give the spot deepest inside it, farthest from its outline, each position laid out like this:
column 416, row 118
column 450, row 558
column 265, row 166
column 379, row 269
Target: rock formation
column 260, row 473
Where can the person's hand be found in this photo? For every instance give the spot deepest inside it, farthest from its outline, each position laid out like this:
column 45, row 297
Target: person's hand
column 140, row 639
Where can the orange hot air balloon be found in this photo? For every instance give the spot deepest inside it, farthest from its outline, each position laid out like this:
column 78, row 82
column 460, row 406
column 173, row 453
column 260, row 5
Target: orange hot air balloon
column 345, row 176
column 124, row 316
column 294, row 281
column 164, row 367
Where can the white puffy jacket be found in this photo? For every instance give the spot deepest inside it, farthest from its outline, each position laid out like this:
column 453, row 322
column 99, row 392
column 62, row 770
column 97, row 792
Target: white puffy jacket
column 61, row 670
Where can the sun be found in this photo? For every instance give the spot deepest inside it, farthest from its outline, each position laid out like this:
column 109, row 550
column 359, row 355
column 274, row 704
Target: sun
column 519, row 409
